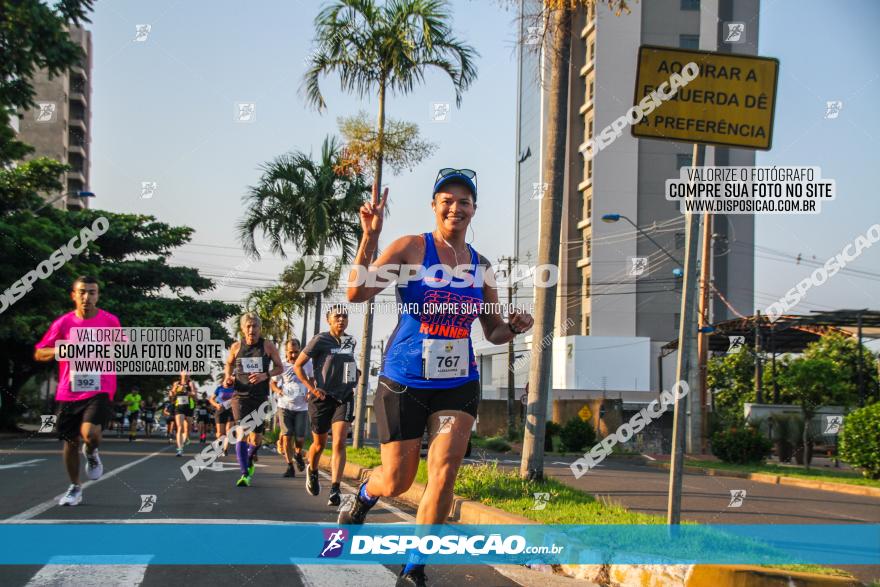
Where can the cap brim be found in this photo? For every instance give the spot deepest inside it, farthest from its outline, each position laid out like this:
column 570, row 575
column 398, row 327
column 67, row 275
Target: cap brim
column 456, row 178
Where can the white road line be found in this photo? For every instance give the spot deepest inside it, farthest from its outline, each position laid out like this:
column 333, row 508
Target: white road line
column 648, row 457
column 360, row 575
column 50, row 503
column 91, row 575
column 199, row 521
column 384, row 504
column 29, row 463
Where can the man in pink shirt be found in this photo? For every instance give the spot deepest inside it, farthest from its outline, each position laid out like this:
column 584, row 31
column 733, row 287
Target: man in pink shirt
column 83, row 400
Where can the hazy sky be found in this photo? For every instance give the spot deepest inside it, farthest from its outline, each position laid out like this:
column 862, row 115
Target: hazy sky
column 163, row 110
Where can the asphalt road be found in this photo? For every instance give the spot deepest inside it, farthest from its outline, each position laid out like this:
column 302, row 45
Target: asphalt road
column 32, row 477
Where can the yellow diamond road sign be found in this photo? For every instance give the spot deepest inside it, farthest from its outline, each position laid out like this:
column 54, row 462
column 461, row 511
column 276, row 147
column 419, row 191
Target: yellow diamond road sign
column 585, row 413
column 730, row 102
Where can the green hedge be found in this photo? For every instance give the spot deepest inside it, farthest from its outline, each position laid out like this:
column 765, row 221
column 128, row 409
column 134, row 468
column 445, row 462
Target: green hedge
column 860, row 440
column 740, row 445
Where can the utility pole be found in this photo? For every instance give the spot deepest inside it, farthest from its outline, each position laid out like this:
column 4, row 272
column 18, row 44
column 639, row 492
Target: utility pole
column 360, row 426
column 511, row 394
column 703, row 337
column 687, row 327
column 759, row 367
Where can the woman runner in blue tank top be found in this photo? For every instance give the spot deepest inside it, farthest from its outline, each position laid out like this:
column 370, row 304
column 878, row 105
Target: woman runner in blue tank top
column 429, row 377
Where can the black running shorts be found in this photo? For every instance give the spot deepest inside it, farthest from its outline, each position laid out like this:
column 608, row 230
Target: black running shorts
column 70, row 415
column 402, row 412
column 242, row 406
column 223, row 416
column 323, row 412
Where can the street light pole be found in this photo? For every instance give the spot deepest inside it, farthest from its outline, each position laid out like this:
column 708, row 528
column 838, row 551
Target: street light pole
column 616, row 217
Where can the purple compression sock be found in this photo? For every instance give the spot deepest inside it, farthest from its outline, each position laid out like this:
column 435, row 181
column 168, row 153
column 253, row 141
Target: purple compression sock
column 241, row 451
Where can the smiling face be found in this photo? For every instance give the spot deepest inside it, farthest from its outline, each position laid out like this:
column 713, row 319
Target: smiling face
column 453, row 207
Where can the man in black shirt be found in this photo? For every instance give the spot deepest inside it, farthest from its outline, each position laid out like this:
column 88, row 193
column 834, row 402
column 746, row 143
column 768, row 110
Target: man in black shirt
column 331, row 396
column 247, row 372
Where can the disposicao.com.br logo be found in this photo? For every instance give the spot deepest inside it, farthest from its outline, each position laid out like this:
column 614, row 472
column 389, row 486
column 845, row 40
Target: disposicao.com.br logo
column 334, row 542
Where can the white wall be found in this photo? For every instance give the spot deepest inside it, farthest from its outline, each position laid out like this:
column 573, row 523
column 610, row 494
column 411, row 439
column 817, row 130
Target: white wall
column 613, row 363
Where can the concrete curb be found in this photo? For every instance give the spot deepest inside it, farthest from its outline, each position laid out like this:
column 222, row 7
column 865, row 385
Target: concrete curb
column 779, row 480
column 466, row 511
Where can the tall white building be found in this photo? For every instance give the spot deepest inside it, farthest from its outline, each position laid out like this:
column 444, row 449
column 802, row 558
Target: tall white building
column 618, row 319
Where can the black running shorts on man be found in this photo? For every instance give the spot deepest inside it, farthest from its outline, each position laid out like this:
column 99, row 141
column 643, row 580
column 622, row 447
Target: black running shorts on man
column 336, row 374
column 70, row 415
column 248, row 397
column 402, row 412
column 324, row 412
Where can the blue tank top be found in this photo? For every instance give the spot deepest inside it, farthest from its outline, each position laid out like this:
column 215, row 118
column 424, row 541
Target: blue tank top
column 403, row 361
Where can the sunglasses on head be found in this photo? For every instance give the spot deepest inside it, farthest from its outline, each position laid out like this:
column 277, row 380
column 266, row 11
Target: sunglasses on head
column 446, row 171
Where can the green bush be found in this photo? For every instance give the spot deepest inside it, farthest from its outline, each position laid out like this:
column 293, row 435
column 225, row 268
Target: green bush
column 551, row 429
column 860, row 440
column 740, row 445
column 577, row 435
column 493, row 443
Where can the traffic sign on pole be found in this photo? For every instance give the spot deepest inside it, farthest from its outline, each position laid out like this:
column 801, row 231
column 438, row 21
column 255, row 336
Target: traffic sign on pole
column 730, row 102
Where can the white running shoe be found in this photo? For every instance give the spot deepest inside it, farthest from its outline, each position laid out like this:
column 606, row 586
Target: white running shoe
column 73, row 496
column 94, row 466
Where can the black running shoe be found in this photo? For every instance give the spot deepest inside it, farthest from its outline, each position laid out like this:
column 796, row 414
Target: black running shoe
column 414, row 578
column 289, row 472
column 300, row 463
column 335, row 497
column 357, row 513
column 313, row 485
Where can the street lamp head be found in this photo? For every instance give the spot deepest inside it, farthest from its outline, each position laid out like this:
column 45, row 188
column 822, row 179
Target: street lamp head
column 84, row 194
column 610, row 217
column 678, row 272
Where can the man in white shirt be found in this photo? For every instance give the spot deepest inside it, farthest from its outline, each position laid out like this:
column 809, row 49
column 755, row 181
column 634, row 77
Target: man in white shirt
column 292, row 408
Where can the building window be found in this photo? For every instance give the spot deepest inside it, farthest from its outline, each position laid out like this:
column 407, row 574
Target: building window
column 683, row 160
column 589, row 207
column 587, row 288
column 590, row 129
column 690, row 4
column 591, row 54
column 591, row 89
column 689, row 41
column 679, row 240
column 586, row 326
column 590, row 169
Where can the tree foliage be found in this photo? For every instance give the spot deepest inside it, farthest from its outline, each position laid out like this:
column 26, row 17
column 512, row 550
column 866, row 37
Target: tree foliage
column 137, row 284
column 33, row 36
column 403, row 147
column 393, row 45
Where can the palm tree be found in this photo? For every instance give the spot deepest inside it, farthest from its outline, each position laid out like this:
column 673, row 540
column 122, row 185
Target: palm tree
column 276, row 306
column 558, row 15
column 375, row 48
column 307, row 204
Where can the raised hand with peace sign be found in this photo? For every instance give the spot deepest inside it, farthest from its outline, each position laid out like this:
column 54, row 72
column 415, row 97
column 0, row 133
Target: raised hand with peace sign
column 372, row 214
